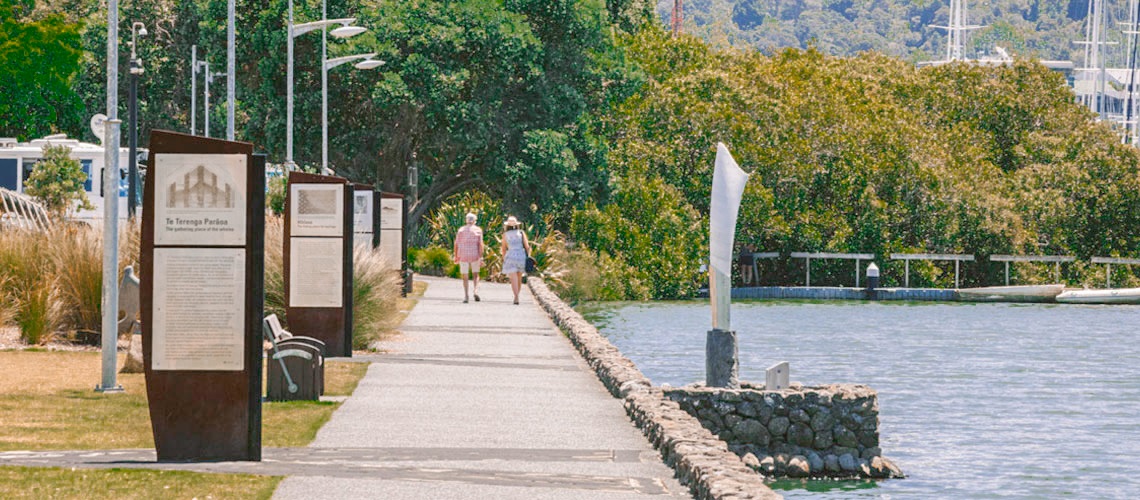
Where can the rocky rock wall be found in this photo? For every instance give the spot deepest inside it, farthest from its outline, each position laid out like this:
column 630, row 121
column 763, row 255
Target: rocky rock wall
column 825, row 431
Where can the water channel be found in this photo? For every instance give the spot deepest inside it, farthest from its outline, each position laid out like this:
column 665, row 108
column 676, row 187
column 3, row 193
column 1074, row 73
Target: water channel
column 976, row 400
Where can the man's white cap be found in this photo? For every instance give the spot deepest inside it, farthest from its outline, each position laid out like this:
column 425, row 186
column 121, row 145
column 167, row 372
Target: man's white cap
column 470, row 217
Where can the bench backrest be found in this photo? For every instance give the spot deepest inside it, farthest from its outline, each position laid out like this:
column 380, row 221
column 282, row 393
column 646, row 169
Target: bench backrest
column 274, row 326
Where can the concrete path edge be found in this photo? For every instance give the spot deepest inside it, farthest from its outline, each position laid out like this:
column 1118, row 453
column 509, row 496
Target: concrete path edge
column 702, row 462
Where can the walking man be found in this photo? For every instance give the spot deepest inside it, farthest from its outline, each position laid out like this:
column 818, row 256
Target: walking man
column 468, row 253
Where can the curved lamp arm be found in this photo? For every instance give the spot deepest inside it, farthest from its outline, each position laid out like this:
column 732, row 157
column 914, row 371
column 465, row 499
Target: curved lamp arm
column 301, row 29
column 337, row 61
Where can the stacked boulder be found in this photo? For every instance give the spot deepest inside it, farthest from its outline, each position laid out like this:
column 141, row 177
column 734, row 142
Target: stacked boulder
column 825, row 431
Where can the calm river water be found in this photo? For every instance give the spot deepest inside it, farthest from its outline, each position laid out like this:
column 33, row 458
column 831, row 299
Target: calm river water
column 975, row 400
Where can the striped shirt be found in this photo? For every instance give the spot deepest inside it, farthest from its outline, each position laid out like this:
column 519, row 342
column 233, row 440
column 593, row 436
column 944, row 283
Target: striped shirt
column 469, row 244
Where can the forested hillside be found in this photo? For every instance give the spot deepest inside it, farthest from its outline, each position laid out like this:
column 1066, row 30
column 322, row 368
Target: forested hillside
column 902, row 28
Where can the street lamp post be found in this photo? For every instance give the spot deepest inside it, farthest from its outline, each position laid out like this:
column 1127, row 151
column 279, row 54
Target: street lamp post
column 137, row 30
column 110, row 296
column 193, row 89
column 294, row 31
column 231, row 82
column 206, row 94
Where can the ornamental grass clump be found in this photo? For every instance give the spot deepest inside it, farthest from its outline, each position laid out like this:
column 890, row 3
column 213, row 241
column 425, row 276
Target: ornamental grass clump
column 6, row 309
column 76, row 254
column 375, row 293
column 29, row 284
column 274, row 270
column 52, row 280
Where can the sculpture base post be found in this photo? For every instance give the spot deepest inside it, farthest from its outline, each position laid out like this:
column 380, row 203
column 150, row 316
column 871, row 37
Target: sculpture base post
column 722, row 364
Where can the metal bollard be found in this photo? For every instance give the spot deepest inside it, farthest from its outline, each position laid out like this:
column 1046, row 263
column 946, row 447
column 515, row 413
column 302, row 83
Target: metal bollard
column 872, row 281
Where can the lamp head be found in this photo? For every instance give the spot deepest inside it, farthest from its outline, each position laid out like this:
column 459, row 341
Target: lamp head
column 369, row 64
column 142, row 31
column 347, row 31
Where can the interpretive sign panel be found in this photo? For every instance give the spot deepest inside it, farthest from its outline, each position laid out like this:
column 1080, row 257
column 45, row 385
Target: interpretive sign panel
column 365, row 215
column 392, row 229
column 316, row 272
column 318, row 247
column 198, row 309
column 362, row 211
column 316, row 209
column 392, row 213
column 200, row 199
column 202, row 293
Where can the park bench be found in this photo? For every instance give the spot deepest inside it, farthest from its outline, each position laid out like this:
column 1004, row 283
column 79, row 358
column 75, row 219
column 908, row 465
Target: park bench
column 296, row 365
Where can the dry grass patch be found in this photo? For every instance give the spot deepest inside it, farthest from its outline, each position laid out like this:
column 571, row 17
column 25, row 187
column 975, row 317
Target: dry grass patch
column 123, row 484
column 341, row 377
column 48, row 402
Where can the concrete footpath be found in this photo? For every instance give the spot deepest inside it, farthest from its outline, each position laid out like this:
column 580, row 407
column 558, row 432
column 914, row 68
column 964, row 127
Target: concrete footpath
column 481, row 400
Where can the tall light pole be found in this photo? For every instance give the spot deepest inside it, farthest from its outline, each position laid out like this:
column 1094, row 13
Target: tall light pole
column 110, row 304
column 294, row 31
column 137, row 30
column 193, row 89
column 367, row 63
column 231, row 51
column 206, row 95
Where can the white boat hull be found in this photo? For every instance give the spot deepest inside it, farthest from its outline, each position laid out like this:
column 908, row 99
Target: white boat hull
column 1105, row 296
column 1019, row 293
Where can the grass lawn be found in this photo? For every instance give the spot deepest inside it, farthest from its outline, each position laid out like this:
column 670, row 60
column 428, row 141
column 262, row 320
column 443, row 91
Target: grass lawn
column 48, row 402
column 43, row 483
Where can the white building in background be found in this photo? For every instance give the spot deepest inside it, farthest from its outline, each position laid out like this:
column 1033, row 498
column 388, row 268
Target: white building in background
column 18, row 160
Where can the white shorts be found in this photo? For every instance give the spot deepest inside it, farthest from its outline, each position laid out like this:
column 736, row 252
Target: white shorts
column 465, row 266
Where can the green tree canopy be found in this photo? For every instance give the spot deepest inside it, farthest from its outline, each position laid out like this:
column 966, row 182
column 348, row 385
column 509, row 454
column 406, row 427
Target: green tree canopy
column 39, row 58
column 871, row 154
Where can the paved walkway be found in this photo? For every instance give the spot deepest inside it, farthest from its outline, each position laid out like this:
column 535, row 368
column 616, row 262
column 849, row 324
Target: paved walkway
column 485, row 400
column 479, row 400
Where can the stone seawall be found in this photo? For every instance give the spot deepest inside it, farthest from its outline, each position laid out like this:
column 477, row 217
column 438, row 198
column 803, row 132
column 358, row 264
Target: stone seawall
column 844, row 293
column 702, row 461
column 826, row 431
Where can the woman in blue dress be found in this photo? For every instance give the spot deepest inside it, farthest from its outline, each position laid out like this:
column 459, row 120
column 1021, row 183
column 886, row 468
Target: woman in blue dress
column 515, row 250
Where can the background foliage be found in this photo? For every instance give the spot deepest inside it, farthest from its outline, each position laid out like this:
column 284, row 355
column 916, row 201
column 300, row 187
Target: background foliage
column 863, row 154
